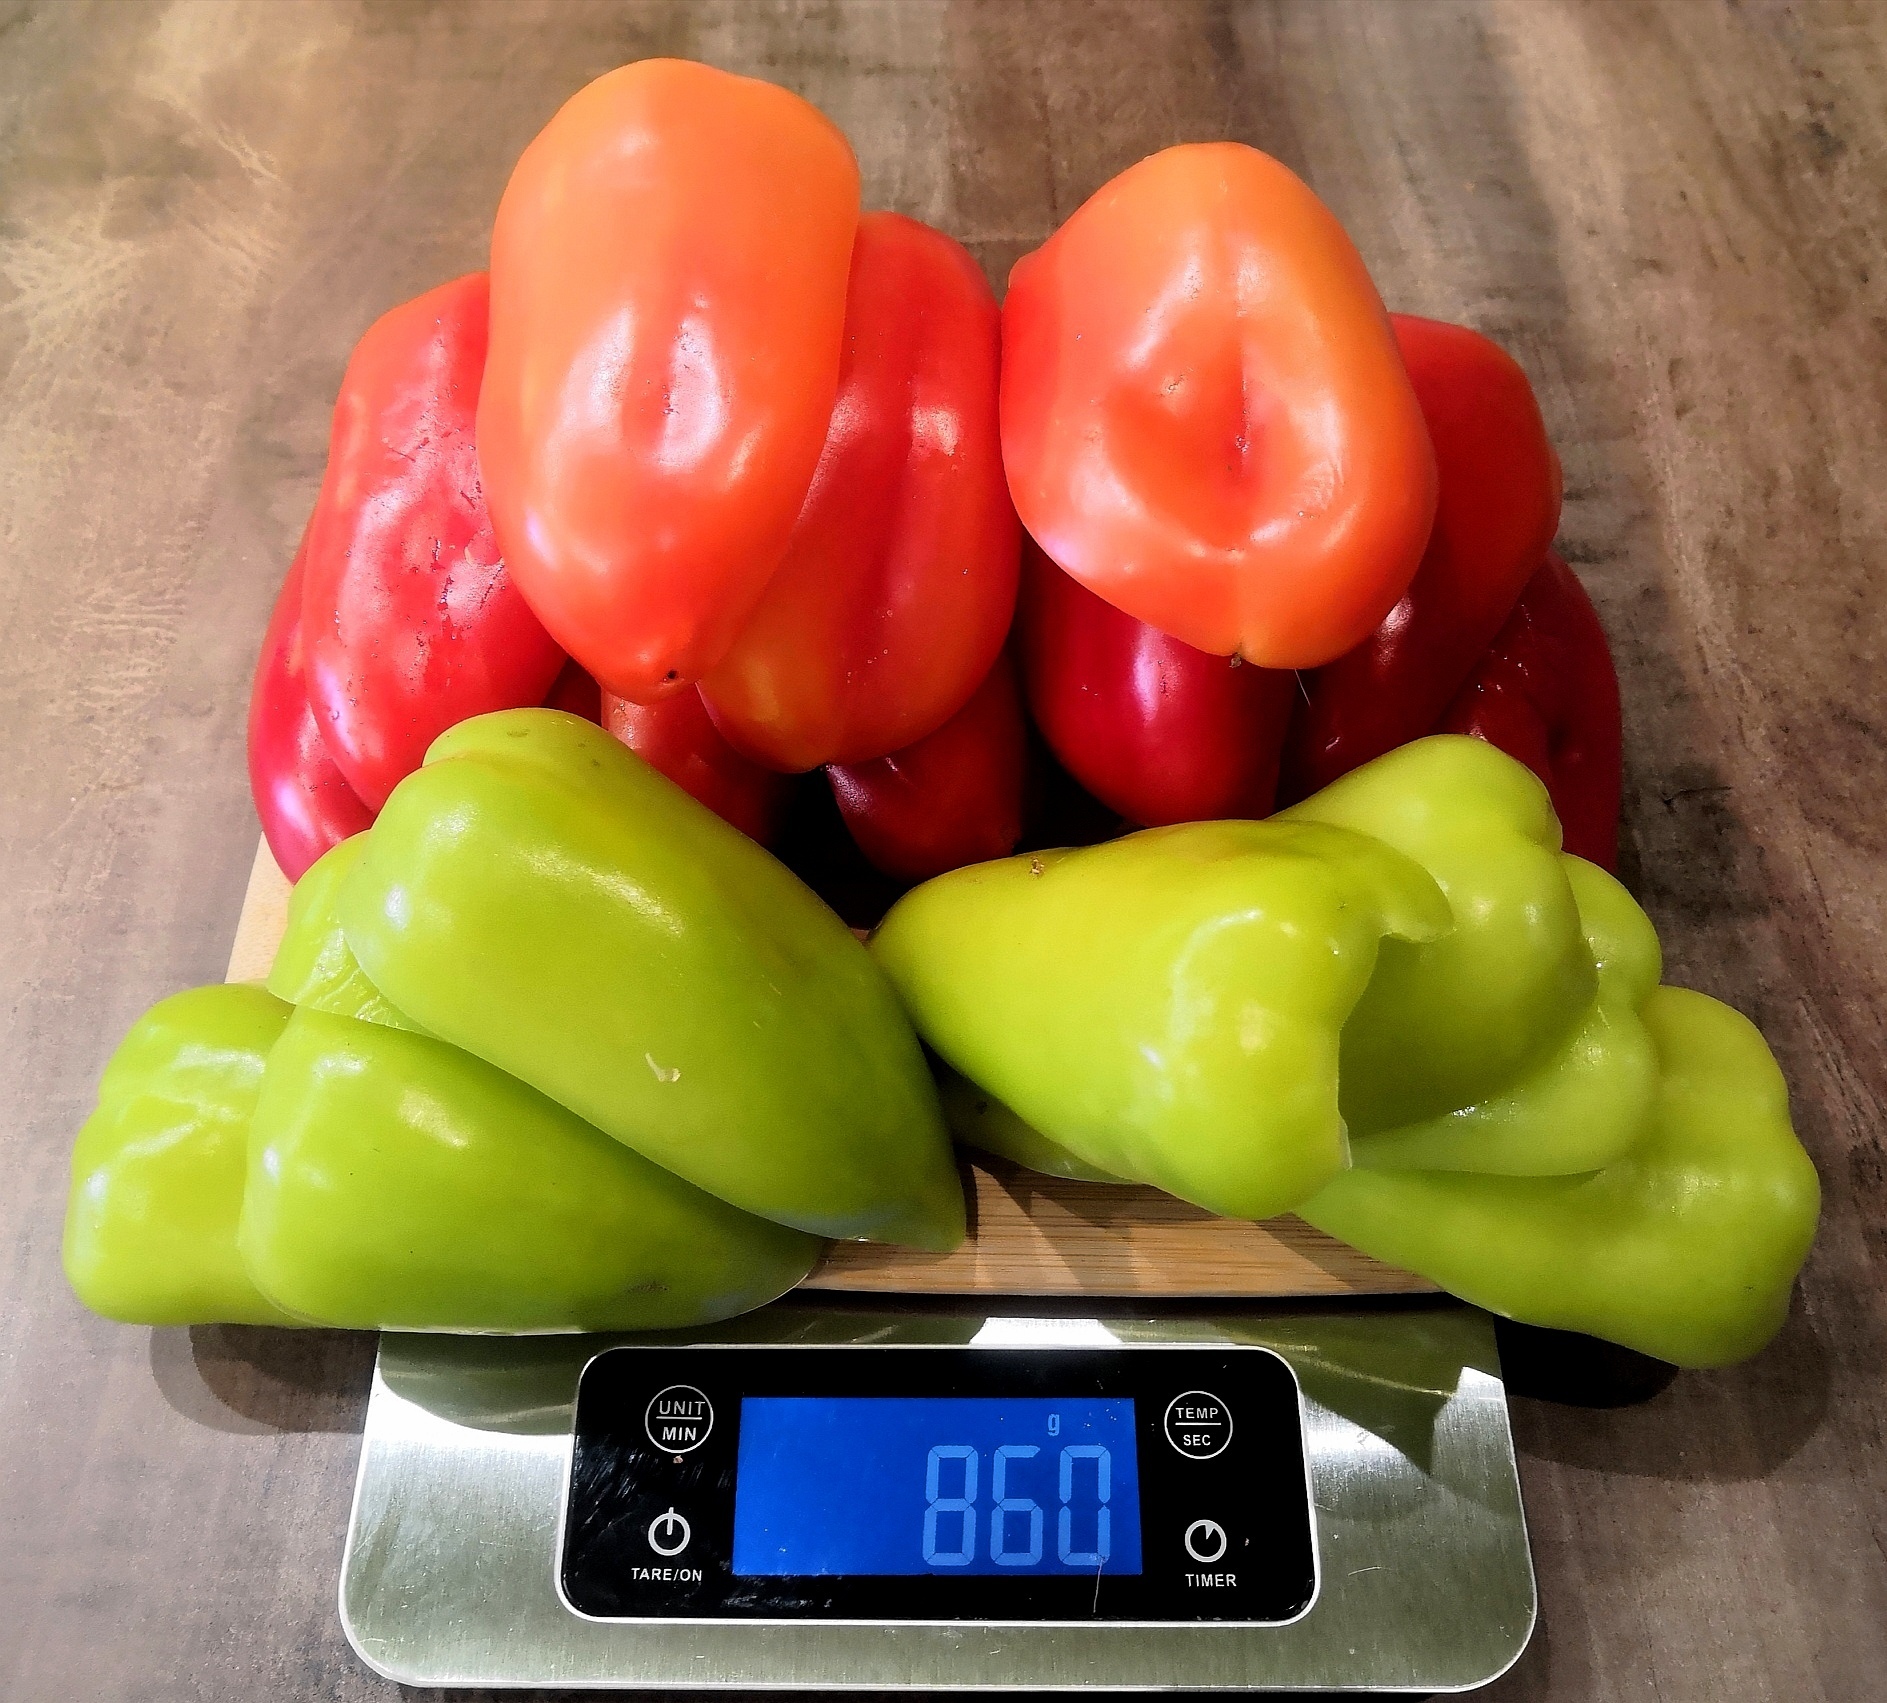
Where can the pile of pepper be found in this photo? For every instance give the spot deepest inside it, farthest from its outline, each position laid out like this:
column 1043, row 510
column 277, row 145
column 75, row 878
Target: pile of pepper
column 774, row 492
column 1401, row 1011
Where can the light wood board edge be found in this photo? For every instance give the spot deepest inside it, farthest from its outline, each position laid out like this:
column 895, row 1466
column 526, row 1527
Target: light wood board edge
column 1036, row 1235
column 264, row 920
column 1031, row 1234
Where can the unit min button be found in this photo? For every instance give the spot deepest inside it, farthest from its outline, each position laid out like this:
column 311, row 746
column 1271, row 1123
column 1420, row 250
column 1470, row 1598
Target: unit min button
column 679, row 1419
column 1198, row 1424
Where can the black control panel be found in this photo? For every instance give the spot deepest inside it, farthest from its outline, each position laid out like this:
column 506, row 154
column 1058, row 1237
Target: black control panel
column 1153, row 1484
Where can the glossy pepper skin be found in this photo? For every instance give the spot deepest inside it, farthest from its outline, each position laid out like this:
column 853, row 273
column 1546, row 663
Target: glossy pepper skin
column 1167, row 1007
column 899, row 579
column 1581, row 1105
column 412, row 623
column 1497, row 509
column 397, row 1183
column 1546, row 693
column 1448, row 1021
column 543, row 898
column 301, row 796
column 157, row 1171
column 1204, row 415
column 314, row 966
column 1156, row 730
column 668, row 280
column 955, row 797
column 978, row 1119
column 1685, row 1248
column 678, row 737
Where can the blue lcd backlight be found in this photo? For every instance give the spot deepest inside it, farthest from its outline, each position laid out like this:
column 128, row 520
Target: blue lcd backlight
column 884, row 1485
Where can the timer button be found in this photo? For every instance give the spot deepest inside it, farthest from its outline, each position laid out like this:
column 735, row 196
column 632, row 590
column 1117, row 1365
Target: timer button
column 1205, row 1540
column 1199, row 1426
column 679, row 1418
column 669, row 1533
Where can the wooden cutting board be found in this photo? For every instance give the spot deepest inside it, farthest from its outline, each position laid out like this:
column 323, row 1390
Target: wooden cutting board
column 1030, row 1234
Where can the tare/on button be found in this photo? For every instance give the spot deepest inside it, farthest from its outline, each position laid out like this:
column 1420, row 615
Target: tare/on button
column 669, row 1533
column 1198, row 1424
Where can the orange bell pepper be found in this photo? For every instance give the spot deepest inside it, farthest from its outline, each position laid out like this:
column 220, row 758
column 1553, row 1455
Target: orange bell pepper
column 668, row 280
column 1204, row 416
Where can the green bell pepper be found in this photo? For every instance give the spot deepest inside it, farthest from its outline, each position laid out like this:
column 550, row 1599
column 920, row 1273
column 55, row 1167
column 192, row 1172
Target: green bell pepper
column 314, row 965
column 397, row 1183
column 157, row 1171
column 1685, row 1248
column 1448, row 1021
column 978, row 1119
column 1166, row 1007
column 541, row 897
column 1579, row 1108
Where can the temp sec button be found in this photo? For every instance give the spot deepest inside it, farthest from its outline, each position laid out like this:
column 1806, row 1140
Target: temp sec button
column 1198, row 1424
column 679, row 1419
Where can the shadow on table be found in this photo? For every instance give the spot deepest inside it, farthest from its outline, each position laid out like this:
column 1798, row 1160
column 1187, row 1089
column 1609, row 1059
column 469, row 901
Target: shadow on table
column 254, row 1380
column 1737, row 1423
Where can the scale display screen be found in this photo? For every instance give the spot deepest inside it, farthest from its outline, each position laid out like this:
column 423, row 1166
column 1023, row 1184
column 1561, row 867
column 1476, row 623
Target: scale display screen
column 872, row 1486
column 934, row 1484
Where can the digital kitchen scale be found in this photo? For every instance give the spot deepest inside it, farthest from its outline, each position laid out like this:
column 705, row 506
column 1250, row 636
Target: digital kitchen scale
column 947, row 1497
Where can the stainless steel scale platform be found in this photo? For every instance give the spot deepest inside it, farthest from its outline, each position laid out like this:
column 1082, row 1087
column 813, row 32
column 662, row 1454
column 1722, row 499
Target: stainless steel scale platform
column 458, row 1568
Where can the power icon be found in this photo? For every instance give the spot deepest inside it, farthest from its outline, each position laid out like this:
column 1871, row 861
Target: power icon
column 669, row 1533
column 1205, row 1540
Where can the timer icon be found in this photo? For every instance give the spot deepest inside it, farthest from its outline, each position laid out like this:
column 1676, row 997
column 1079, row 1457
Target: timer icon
column 1205, row 1540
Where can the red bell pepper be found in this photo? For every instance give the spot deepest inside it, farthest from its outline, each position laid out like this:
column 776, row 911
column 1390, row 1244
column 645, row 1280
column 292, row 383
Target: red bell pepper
column 575, row 693
column 668, row 276
column 900, row 577
column 677, row 737
column 1497, row 512
column 301, row 795
column 412, row 623
column 954, row 797
column 1204, row 416
column 1546, row 693
column 1153, row 728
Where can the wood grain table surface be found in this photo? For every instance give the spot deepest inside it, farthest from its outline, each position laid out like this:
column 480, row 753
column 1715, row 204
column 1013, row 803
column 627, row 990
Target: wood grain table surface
column 1672, row 215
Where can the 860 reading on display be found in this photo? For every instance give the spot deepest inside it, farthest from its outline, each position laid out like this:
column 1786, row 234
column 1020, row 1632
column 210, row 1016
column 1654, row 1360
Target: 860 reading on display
column 883, row 1486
